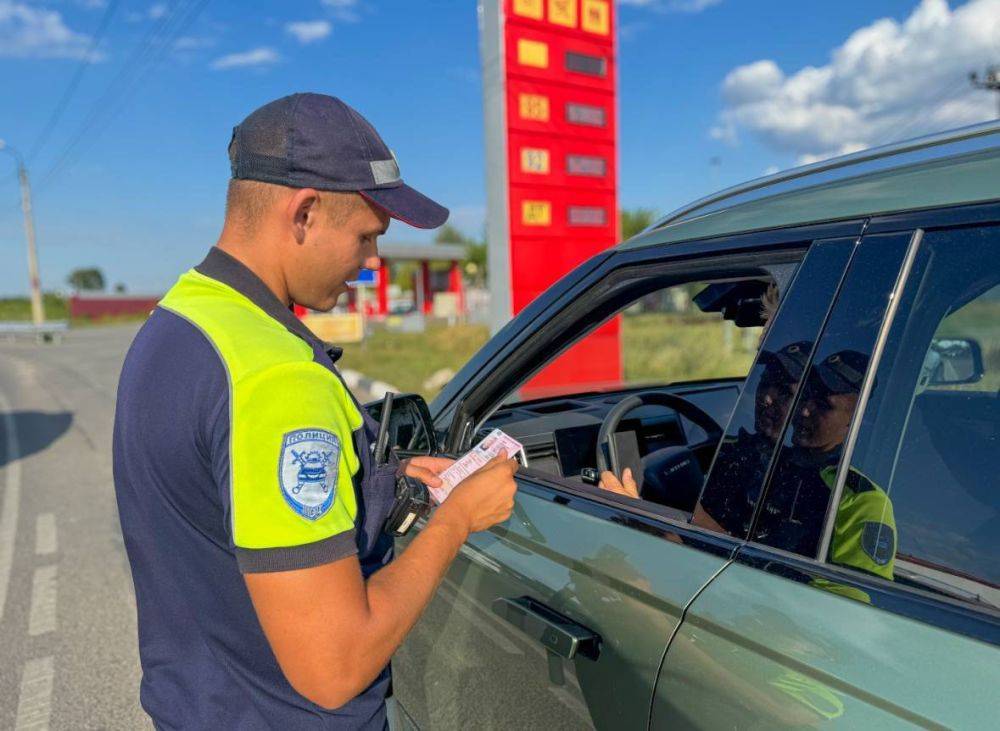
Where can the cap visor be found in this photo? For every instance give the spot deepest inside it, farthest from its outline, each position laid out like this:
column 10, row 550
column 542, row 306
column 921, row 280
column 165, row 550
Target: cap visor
column 408, row 205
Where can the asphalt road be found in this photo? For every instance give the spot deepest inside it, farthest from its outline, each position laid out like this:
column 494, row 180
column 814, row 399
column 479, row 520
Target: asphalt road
column 68, row 655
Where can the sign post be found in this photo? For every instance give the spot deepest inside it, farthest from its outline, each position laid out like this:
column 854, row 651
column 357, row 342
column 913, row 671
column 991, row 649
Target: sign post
column 549, row 82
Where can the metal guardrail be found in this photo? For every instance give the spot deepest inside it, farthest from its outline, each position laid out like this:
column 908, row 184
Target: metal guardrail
column 46, row 333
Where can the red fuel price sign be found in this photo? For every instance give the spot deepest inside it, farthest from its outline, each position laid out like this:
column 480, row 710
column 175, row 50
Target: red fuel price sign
column 549, row 78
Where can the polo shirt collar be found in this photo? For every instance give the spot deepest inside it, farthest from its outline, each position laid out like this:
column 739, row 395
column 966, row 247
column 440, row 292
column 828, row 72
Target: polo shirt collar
column 224, row 268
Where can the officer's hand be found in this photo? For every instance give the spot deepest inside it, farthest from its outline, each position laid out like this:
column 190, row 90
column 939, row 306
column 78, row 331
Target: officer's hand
column 625, row 486
column 427, row 469
column 484, row 498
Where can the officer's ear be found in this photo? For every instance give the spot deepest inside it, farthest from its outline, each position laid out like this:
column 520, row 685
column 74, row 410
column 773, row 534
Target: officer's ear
column 301, row 212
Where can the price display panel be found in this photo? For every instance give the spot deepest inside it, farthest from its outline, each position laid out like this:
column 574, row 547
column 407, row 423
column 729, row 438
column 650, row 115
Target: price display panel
column 550, row 80
column 560, row 112
column 541, row 160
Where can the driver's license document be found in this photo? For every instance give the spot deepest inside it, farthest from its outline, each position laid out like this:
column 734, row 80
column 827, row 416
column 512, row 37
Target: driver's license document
column 495, row 442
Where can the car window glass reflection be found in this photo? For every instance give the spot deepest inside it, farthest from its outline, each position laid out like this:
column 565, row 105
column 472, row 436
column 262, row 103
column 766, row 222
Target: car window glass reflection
column 793, row 513
column 732, row 492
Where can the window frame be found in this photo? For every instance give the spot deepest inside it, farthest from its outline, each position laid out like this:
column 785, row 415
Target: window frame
column 453, row 413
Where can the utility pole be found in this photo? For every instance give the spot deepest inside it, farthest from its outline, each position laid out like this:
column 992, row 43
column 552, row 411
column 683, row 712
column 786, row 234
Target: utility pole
column 990, row 81
column 37, row 307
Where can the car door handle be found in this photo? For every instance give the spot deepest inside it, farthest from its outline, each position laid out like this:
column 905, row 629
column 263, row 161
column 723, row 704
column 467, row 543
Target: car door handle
column 557, row 633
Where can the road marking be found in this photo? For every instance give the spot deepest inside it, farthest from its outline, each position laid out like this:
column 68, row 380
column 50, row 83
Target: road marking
column 42, row 615
column 34, row 703
column 45, row 534
column 11, row 501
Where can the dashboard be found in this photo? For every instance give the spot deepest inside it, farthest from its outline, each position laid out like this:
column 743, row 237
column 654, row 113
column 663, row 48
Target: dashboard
column 560, row 435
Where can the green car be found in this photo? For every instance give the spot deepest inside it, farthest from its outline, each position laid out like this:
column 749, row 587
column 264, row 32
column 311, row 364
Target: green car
column 810, row 417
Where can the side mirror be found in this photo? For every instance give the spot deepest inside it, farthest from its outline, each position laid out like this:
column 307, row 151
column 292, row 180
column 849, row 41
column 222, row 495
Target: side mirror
column 952, row 361
column 408, row 429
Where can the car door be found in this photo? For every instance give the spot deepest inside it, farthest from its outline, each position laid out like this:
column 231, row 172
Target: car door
column 494, row 648
column 877, row 606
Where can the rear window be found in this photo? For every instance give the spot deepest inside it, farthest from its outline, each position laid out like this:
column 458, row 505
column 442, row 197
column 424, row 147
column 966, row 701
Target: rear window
column 930, row 436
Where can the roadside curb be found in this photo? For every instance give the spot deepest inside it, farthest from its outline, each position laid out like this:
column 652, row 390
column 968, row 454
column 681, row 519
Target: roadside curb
column 355, row 381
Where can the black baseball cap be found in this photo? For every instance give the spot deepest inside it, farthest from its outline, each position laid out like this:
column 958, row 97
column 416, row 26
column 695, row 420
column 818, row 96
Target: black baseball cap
column 785, row 366
column 317, row 141
column 843, row 372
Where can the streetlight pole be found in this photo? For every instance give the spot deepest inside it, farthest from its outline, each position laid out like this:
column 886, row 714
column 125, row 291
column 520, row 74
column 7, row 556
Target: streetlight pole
column 990, row 81
column 37, row 307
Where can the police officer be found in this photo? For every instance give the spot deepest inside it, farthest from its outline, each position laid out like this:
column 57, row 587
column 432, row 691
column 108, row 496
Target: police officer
column 250, row 502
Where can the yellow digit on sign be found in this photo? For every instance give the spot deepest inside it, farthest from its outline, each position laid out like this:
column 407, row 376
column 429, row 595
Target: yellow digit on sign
column 596, row 17
column 532, row 53
column 534, row 107
column 528, row 8
column 534, row 160
column 536, row 213
column 563, row 12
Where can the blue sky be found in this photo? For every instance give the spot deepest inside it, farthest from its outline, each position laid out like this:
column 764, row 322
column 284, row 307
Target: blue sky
column 756, row 86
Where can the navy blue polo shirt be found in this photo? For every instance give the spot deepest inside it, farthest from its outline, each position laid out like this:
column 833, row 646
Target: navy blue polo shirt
column 237, row 449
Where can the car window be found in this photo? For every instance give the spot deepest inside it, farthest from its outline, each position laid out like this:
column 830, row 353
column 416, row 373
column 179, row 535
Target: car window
column 732, row 491
column 682, row 333
column 686, row 347
column 685, row 332
column 924, row 477
column 801, row 485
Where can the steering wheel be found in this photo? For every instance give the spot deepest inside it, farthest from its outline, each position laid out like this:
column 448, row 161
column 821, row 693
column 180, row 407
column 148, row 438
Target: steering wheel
column 608, row 456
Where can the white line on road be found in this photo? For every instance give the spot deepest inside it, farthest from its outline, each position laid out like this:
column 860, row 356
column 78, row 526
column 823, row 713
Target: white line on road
column 34, row 703
column 45, row 534
column 11, row 500
column 42, row 615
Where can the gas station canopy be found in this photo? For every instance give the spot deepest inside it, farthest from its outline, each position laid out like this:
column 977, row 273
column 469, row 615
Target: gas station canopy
column 420, row 252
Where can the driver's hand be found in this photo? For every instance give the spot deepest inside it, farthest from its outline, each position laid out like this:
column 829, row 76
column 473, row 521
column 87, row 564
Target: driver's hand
column 625, row 486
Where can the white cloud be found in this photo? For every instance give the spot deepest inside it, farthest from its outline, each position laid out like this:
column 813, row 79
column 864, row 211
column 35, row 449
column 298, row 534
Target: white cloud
column 308, row 31
column 256, row 57
column 193, row 43
column 885, row 82
column 157, row 11
column 27, row 31
column 672, row 6
column 345, row 10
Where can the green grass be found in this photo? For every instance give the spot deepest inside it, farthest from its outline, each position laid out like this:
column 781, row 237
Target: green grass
column 665, row 348
column 19, row 308
column 406, row 360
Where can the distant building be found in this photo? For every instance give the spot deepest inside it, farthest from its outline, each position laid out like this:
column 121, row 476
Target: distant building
column 97, row 305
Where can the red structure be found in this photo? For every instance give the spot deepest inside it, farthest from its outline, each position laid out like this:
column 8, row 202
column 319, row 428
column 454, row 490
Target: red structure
column 551, row 129
column 97, row 306
column 423, row 292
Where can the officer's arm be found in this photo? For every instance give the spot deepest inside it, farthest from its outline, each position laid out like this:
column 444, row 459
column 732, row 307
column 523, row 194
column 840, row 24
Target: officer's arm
column 333, row 633
column 293, row 511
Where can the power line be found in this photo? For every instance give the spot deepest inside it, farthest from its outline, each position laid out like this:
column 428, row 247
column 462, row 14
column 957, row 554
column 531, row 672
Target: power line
column 114, row 89
column 81, row 69
column 143, row 59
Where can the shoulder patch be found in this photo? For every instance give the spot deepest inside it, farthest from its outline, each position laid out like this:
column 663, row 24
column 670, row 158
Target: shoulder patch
column 878, row 541
column 307, row 471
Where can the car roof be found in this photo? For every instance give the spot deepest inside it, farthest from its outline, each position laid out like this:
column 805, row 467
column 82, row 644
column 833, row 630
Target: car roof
column 950, row 168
